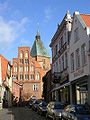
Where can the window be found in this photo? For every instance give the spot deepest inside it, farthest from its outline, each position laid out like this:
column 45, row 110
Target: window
column 26, row 77
column 77, row 59
column 15, row 68
column 83, row 53
column 26, row 68
column 76, row 34
column 32, row 68
column 26, row 61
column 21, row 77
column 15, row 77
column 26, row 54
column 66, row 60
column 21, row 69
column 59, row 44
column 21, row 55
column 62, row 62
column 56, row 49
column 56, row 67
column 21, row 61
column 37, row 76
column 72, row 62
column 35, row 87
column 32, row 77
column 62, row 41
column 59, row 65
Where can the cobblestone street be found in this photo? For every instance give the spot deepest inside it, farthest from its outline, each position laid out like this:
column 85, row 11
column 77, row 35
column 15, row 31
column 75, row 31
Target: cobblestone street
column 20, row 113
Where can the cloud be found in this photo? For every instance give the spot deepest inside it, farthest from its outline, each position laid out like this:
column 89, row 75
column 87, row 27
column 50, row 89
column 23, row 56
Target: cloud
column 48, row 14
column 10, row 30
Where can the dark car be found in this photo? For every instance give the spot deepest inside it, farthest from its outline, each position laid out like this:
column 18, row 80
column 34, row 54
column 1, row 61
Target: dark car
column 75, row 112
column 54, row 110
column 30, row 102
column 35, row 104
column 41, row 108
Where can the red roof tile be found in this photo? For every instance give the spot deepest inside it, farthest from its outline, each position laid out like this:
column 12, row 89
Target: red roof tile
column 86, row 19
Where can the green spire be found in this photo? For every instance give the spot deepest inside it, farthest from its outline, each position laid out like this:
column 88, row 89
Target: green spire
column 38, row 48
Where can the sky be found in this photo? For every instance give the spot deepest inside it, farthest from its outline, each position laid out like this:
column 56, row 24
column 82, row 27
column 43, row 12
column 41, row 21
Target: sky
column 20, row 20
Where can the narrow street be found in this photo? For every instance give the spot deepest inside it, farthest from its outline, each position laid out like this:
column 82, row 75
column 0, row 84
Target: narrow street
column 20, row 113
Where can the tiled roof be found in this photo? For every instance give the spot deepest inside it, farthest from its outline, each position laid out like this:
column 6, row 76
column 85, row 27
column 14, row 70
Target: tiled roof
column 86, row 19
column 38, row 48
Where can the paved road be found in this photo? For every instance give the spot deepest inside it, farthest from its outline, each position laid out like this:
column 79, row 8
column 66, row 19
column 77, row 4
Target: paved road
column 19, row 113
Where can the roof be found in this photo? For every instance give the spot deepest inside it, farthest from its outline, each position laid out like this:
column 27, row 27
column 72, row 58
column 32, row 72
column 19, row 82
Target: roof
column 38, row 48
column 86, row 19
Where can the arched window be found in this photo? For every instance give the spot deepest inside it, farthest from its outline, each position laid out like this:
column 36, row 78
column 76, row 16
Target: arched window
column 37, row 76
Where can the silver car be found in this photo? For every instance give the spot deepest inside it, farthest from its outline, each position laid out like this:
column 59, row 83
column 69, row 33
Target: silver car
column 76, row 112
column 54, row 110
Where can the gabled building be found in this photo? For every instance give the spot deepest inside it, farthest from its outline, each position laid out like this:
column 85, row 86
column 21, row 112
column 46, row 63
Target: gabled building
column 29, row 68
column 79, row 59
column 5, row 82
column 60, row 74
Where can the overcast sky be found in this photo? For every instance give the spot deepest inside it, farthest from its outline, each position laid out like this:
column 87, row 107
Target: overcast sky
column 20, row 19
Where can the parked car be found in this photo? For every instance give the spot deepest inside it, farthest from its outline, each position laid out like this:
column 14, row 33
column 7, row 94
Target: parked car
column 54, row 110
column 30, row 102
column 41, row 108
column 75, row 112
column 35, row 104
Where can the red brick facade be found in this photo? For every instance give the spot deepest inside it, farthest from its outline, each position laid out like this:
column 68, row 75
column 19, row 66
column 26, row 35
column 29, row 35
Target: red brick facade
column 28, row 72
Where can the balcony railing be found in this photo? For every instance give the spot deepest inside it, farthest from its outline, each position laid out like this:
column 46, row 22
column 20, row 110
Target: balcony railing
column 56, row 76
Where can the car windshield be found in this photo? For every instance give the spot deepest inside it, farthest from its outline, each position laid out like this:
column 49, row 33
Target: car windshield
column 81, row 110
column 58, row 106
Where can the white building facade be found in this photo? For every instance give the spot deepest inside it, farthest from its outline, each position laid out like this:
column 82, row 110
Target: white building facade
column 79, row 59
column 59, row 45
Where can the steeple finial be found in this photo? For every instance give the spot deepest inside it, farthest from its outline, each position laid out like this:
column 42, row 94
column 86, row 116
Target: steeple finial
column 38, row 32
